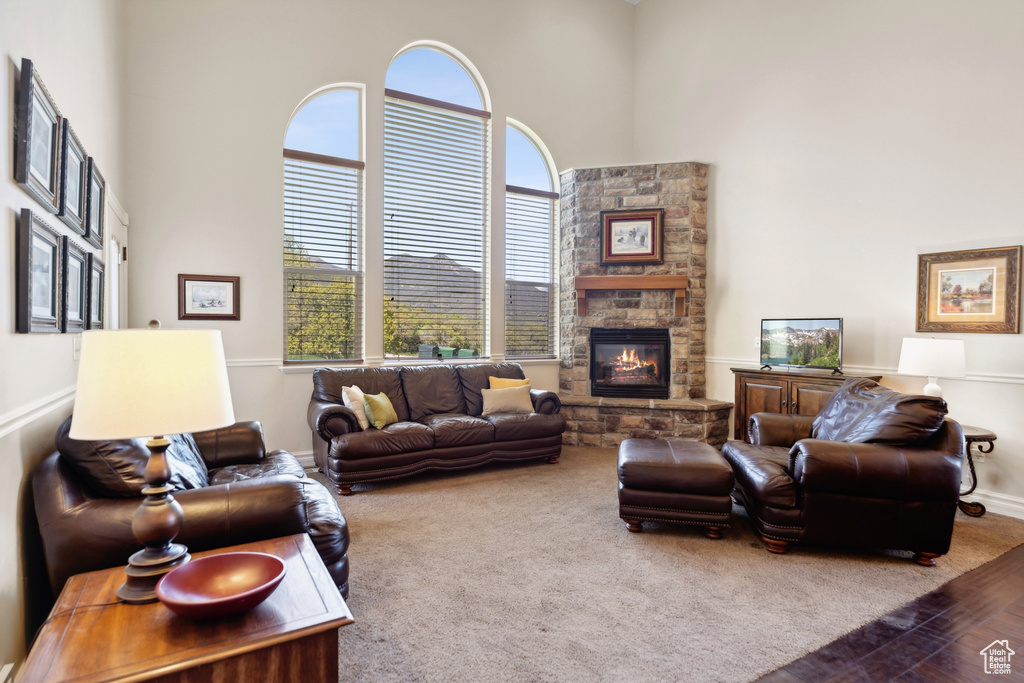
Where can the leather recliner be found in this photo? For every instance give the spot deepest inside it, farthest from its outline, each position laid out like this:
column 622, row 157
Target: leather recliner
column 875, row 468
column 230, row 488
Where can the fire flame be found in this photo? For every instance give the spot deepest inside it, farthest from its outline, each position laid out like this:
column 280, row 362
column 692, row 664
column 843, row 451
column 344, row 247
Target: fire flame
column 630, row 361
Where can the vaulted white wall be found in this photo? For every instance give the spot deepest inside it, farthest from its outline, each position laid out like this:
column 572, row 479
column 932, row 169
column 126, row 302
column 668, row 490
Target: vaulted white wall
column 844, row 139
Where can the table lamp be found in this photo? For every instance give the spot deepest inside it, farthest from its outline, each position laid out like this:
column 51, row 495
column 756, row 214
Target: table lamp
column 147, row 384
column 932, row 358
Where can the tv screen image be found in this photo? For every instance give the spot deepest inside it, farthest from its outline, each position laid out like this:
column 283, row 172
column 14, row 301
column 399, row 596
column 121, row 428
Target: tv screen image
column 802, row 342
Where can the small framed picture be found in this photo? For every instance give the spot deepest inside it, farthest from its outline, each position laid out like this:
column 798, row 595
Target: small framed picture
column 37, row 140
column 94, row 294
column 631, row 237
column 73, row 178
column 96, row 191
column 969, row 291
column 75, row 302
column 208, row 297
column 38, row 288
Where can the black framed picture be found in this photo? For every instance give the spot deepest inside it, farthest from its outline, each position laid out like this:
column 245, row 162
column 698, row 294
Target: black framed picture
column 38, row 288
column 94, row 294
column 73, row 178
column 209, row 297
column 37, row 140
column 75, row 303
column 96, row 197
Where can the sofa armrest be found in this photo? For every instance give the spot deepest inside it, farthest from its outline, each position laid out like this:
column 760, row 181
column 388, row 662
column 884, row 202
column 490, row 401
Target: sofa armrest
column 773, row 429
column 240, row 444
column 545, row 402
column 873, row 470
column 329, row 420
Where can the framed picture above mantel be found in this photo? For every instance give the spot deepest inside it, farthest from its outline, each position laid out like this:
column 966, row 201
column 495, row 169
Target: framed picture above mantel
column 976, row 290
column 632, row 237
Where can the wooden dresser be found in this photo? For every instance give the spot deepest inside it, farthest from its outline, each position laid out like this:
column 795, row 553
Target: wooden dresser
column 792, row 392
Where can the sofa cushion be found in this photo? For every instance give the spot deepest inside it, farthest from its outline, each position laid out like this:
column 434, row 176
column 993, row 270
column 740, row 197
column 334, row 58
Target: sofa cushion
column 510, row 400
column 353, row 397
column 432, row 390
column 379, row 411
column 862, row 411
column 505, row 383
column 277, row 462
column 523, row 426
column 459, row 430
column 116, row 468
column 476, row 377
column 328, row 383
column 401, row 437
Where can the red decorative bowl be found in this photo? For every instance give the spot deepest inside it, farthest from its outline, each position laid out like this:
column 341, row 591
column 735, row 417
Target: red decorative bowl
column 220, row 586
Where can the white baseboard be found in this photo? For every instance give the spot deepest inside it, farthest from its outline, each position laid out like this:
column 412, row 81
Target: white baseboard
column 999, row 503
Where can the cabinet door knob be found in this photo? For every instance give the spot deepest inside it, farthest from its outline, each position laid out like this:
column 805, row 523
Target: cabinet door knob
column 783, row 404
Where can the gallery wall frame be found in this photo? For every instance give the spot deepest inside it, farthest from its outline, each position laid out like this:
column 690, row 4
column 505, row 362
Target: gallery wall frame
column 75, row 277
column 95, row 293
column 74, row 176
column 37, row 137
column 975, row 290
column 209, row 297
column 39, row 269
column 95, row 200
column 632, row 237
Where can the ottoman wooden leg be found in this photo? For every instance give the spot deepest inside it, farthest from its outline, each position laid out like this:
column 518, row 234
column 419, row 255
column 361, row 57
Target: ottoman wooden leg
column 634, row 525
column 712, row 532
column 773, row 546
column 344, row 489
column 925, row 559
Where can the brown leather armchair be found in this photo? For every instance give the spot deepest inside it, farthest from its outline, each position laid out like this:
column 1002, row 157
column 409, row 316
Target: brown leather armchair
column 230, row 488
column 875, row 468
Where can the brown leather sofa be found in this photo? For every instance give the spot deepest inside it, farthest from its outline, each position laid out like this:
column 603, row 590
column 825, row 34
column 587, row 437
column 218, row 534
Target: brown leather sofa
column 230, row 488
column 440, row 425
column 875, row 468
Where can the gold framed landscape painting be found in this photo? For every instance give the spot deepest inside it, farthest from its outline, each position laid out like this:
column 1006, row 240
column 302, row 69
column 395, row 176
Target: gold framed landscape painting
column 977, row 290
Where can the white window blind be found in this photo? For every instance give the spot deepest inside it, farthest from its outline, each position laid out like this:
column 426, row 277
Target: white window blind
column 529, row 272
column 322, row 259
column 435, row 218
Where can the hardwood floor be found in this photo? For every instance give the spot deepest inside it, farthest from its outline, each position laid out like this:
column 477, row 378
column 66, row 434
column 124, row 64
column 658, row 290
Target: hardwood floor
column 936, row 638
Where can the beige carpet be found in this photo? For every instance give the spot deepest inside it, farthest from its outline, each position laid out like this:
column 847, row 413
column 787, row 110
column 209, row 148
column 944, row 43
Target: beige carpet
column 525, row 573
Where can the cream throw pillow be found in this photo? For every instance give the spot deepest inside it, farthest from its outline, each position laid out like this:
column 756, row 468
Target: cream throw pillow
column 510, row 400
column 353, row 398
column 502, row 383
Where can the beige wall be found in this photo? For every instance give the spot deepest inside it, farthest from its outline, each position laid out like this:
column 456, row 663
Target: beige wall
column 845, row 139
column 75, row 46
column 209, row 94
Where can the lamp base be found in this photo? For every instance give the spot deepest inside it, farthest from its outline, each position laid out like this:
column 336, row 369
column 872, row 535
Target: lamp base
column 143, row 573
column 932, row 388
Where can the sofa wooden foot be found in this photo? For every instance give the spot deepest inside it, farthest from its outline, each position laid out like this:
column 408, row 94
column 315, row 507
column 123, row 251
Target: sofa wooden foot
column 344, row 489
column 712, row 532
column 554, row 459
column 925, row 559
column 773, row 546
column 634, row 525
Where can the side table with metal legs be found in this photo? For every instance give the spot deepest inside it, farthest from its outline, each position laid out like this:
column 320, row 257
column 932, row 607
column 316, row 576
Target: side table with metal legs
column 982, row 437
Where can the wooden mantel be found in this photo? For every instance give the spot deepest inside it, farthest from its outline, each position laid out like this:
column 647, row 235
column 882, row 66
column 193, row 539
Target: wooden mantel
column 584, row 282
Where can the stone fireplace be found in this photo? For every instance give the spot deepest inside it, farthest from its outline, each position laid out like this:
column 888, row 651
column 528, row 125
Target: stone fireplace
column 629, row 363
column 636, row 299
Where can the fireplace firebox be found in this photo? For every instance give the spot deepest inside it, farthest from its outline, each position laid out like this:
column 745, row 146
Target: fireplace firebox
column 630, row 363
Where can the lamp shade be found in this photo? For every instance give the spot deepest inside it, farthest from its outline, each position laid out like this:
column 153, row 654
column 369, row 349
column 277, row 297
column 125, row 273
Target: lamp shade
column 146, row 383
column 932, row 358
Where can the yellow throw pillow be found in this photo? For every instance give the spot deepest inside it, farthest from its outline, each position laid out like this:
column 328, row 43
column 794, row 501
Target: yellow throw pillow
column 379, row 410
column 511, row 400
column 353, row 399
column 502, row 383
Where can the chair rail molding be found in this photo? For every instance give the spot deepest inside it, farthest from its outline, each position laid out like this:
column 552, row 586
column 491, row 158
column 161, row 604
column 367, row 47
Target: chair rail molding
column 15, row 419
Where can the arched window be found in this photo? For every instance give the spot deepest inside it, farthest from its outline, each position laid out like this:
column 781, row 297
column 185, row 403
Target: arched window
column 530, row 204
column 436, row 130
column 323, row 217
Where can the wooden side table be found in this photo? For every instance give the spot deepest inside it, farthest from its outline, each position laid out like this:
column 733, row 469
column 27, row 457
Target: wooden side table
column 292, row 635
column 982, row 437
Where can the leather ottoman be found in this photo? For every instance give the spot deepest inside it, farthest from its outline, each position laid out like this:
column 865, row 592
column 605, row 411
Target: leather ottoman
column 682, row 482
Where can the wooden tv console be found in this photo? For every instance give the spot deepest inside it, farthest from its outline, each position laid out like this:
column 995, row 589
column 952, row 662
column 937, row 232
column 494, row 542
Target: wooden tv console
column 787, row 391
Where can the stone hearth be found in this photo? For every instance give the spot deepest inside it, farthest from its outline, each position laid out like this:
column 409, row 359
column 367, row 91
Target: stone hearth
column 681, row 190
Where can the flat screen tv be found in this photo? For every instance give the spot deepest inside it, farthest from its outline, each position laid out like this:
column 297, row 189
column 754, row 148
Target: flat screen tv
column 802, row 343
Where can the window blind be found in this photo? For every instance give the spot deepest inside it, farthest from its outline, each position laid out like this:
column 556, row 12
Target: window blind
column 529, row 273
column 322, row 259
column 435, row 217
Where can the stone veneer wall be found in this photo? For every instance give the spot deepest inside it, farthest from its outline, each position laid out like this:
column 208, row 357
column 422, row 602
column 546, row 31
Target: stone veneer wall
column 681, row 190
